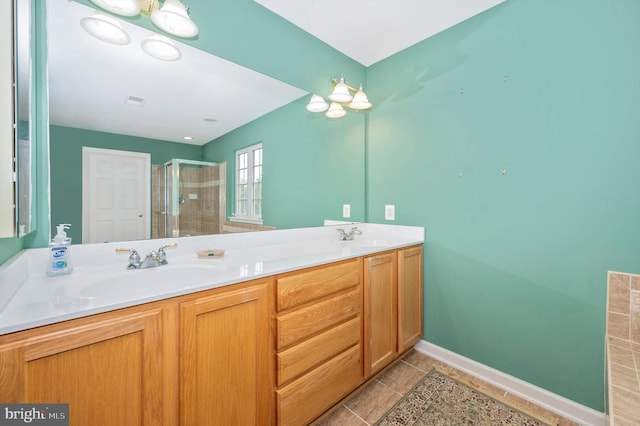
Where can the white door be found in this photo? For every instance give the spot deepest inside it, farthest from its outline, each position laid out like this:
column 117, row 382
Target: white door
column 116, row 195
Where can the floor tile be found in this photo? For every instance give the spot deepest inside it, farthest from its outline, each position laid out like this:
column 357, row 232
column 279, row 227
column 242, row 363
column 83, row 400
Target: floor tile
column 373, row 401
column 341, row 417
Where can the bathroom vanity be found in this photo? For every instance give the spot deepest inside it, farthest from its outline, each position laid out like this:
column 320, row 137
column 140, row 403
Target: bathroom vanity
column 280, row 331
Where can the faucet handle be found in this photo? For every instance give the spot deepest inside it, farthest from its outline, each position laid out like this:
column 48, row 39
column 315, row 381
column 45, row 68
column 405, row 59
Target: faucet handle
column 134, row 257
column 161, row 255
column 168, row 245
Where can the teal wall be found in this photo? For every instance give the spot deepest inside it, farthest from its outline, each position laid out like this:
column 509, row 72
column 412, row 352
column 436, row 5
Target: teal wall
column 516, row 263
column 66, row 166
column 305, row 154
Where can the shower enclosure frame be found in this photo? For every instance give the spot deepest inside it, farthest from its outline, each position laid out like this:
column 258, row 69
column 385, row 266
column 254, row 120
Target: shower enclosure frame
column 172, row 188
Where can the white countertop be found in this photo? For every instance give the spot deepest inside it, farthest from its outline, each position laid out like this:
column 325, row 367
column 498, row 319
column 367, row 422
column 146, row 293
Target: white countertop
column 100, row 281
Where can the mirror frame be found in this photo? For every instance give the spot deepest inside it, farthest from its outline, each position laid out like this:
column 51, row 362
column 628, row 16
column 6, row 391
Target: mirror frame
column 16, row 172
column 7, row 184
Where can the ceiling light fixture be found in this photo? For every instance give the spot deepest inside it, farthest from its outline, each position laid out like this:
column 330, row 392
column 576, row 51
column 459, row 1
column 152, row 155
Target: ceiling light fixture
column 340, row 95
column 161, row 47
column 119, row 7
column 173, row 18
column 105, row 28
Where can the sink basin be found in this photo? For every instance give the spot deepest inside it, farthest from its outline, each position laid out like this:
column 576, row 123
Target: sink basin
column 142, row 282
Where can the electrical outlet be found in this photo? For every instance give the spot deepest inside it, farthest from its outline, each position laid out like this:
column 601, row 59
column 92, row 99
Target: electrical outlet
column 390, row 212
column 346, row 210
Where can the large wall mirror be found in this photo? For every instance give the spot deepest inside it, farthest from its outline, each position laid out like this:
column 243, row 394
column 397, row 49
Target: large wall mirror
column 195, row 110
column 16, row 173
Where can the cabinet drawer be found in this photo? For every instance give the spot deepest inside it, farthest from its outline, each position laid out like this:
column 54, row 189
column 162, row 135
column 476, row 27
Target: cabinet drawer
column 312, row 394
column 294, row 290
column 303, row 323
column 303, row 357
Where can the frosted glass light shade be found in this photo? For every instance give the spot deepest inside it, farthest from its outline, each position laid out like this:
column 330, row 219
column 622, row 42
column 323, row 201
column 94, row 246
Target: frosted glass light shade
column 360, row 100
column 173, row 18
column 105, row 28
column 317, row 104
column 335, row 111
column 119, row 7
column 340, row 92
column 161, row 47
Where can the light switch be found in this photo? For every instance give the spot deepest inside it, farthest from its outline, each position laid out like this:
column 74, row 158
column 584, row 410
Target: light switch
column 346, row 210
column 390, row 212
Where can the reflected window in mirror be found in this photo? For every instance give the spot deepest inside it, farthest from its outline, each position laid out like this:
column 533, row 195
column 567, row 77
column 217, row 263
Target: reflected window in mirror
column 248, row 193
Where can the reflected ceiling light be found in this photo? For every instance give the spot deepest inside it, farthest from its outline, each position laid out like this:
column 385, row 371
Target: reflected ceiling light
column 340, row 95
column 161, row 47
column 173, row 18
column 105, row 28
column 119, row 7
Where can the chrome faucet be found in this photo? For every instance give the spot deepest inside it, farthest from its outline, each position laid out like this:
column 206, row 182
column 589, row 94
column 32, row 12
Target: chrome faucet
column 348, row 236
column 153, row 259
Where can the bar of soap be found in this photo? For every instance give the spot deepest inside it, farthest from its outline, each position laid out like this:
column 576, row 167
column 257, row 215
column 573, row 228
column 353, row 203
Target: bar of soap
column 206, row 254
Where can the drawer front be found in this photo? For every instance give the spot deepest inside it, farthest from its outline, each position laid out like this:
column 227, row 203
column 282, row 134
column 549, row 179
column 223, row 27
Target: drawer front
column 301, row 358
column 308, row 397
column 298, row 289
column 306, row 322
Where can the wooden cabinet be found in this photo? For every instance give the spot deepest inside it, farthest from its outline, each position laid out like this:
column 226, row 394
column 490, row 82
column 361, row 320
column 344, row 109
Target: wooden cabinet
column 381, row 311
column 393, row 306
column 108, row 369
column 200, row 359
column 318, row 339
column 225, row 358
column 409, row 297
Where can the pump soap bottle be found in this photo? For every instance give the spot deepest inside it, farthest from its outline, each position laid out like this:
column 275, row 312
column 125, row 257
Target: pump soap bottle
column 59, row 252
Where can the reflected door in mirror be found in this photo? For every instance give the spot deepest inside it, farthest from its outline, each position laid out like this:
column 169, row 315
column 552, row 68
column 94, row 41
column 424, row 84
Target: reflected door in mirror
column 115, row 195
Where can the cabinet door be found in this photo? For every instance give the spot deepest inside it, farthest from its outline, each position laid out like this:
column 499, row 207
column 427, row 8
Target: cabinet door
column 381, row 312
column 109, row 372
column 409, row 297
column 225, row 351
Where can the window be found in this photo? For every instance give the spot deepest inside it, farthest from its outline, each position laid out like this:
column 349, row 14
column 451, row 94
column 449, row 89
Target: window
column 249, row 184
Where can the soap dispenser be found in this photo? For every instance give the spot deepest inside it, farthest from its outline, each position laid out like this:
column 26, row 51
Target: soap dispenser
column 60, row 253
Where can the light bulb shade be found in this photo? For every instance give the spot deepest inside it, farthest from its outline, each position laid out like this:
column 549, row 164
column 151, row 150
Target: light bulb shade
column 317, row 104
column 340, row 92
column 173, row 18
column 360, row 101
column 105, row 28
column 119, row 7
column 161, row 47
column 335, row 111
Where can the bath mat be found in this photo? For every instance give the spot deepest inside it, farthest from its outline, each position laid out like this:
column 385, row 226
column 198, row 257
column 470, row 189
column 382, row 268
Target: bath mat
column 441, row 400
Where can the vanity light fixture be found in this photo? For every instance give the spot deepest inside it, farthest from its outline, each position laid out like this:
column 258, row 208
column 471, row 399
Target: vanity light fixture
column 161, row 47
column 173, row 18
column 340, row 95
column 105, row 28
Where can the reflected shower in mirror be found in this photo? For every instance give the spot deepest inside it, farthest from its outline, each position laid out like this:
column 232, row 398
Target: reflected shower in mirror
column 188, row 198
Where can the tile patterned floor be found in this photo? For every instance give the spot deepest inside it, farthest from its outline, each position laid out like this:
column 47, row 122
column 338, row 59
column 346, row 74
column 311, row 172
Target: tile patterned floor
column 367, row 404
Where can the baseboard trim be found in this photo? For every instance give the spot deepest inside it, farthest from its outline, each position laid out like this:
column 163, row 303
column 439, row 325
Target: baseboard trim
column 543, row 398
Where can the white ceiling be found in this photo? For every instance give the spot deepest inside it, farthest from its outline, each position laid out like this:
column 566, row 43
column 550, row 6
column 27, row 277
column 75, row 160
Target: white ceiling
column 90, row 80
column 371, row 30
